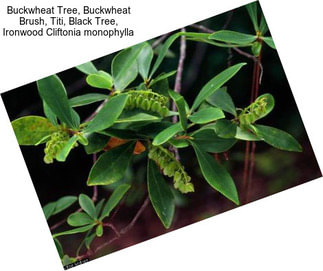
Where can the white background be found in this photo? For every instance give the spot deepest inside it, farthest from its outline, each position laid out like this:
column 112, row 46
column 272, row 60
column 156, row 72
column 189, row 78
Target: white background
column 281, row 232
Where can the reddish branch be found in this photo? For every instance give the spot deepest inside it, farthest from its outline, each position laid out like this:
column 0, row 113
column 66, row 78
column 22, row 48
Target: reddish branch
column 118, row 234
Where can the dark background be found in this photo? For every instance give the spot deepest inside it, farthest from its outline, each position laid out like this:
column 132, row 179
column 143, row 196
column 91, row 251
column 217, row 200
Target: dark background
column 275, row 170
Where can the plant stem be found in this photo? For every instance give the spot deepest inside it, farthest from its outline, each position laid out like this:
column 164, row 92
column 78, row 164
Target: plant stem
column 159, row 40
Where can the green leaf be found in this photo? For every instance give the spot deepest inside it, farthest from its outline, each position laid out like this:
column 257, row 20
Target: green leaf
column 87, row 205
column 181, row 107
column 87, row 99
column 179, row 143
column 225, row 128
column 124, row 66
column 96, row 142
column 223, row 100
column 73, row 231
column 269, row 41
column 101, row 79
column 99, row 230
column 161, row 77
column 114, row 199
column 252, row 10
column 98, row 207
column 247, row 135
column 144, row 60
column 30, row 130
column 216, row 175
column 49, row 114
column 87, row 68
column 166, row 134
column 62, row 155
column 206, row 115
column 48, row 209
column 111, row 166
column 63, row 203
column 160, row 195
column 215, row 83
column 59, row 248
column 162, row 53
column 79, row 219
column 136, row 116
column 108, row 114
column 68, row 260
column 270, row 104
column 277, row 138
column 89, row 239
column 210, row 142
column 233, row 37
column 52, row 91
column 263, row 28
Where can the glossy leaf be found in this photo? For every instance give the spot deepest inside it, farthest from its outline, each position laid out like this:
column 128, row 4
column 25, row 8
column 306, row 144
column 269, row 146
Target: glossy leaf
column 247, row 135
column 269, row 41
column 62, row 155
column 59, row 248
column 277, row 138
column 101, row 79
column 96, row 142
column 30, row 130
column 52, row 91
column 215, row 83
column 74, row 231
column 49, row 114
column 111, row 166
column 79, row 219
column 98, row 207
column 108, row 114
column 63, row 203
column 161, row 77
column 263, row 28
column 144, row 60
column 216, row 175
column 99, row 230
column 87, row 99
column 181, row 107
column 124, row 66
column 270, row 104
column 162, row 53
column 179, row 143
column 225, row 128
column 160, row 195
column 136, row 116
column 206, row 115
column 166, row 134
column 48, row 209
column 223, row 100
column 233, row 37
column 114, row 199
column 210, row 142
column 87, row 68
column 87, row 205
column 252, row 10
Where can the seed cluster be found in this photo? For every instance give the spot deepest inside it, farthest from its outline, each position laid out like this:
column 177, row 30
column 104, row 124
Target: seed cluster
column 171, row 168
column 147, row 100
column 253, row 111
column 55, row 145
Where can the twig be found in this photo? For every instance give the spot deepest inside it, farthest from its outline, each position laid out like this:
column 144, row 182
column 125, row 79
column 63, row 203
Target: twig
column 118, row 233
column 228, row 20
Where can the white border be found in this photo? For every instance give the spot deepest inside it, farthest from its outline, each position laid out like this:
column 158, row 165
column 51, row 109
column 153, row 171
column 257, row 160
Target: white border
column 280, row 232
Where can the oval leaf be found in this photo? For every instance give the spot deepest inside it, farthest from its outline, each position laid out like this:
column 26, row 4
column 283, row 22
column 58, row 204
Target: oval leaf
column 233, row 37
column 101, row 79
column 87, row 205
column 206, row 115
column 96, row 142
column 160, row 195
column 277, row 138
column 114, row 199
column 87, row 68
column 215, row 83
column 270, row 104
column 108, row 114
column 30, row 130
column 111, row 166
column 48, row 209
column 216, row 175
column 166, row 134
column 144, row 60
column 79, row 219
column 63, row 203
column 225, row 128
column 52, row 91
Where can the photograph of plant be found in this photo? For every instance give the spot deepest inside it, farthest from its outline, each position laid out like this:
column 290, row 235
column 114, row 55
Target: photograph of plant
column 161, row 134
